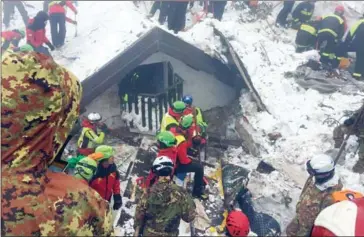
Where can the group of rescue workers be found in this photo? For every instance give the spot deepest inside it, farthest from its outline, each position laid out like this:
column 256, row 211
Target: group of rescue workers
column 35, row 28
column 324, row 209
column 326, row 35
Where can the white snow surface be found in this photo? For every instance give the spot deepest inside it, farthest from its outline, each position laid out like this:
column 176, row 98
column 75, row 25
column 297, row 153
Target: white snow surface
column 107, row 27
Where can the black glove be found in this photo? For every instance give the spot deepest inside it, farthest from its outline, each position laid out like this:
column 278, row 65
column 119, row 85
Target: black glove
column 192, row 152
column 117, row 201
column 103, row 127
column 349, row 121
column 50, row 46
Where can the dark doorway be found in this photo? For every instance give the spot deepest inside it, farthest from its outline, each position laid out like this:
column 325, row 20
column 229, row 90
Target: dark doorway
column 145, row 79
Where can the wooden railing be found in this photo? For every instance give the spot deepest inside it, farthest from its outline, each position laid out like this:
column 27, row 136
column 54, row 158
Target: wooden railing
column 152, row 107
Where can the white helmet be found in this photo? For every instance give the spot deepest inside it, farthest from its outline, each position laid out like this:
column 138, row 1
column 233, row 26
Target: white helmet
column 163, row 166
column 94, row 117
column 321, row 166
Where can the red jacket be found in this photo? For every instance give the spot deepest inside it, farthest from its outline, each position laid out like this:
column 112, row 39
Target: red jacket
column 181, row 148
column 11, row 35
column 106, row 183
column 36, row 38
column 58, row 8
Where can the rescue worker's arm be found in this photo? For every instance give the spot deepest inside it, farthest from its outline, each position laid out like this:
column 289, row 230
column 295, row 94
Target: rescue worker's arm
column 116, row 193
column 188, row 209
column 182, row 153
column 71, row 6
column 98, row 139
column 140, row 211
column 5, row 45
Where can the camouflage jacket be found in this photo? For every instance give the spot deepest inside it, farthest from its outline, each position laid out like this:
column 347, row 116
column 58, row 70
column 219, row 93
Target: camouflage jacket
column 39, row 104
column 312, row 201
column 162, row 209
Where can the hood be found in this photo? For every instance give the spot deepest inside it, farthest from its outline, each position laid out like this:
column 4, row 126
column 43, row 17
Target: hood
column 174, row 114
column 39, row 105
column 87, row 124
column 335, row 180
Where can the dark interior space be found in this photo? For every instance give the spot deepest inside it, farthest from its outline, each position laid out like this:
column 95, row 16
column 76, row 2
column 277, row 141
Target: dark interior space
column 145, row 79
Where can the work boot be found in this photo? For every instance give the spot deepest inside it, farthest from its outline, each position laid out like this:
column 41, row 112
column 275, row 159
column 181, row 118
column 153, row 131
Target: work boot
column 359, row 166
column 200, row 194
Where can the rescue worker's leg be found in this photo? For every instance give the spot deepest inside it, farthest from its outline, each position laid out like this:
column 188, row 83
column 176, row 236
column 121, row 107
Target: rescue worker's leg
column 8, row 8
column 24, row 14
column 359, row 166
column 171, row 15
column 359, row 65
column 62, row 29
column 283, row 14
column 156, row 5
column 219, row 8
column 326, row 45
column 197, row 168
column 163, row 12
column 53, row 19
column 338, row 134
column 180, row 20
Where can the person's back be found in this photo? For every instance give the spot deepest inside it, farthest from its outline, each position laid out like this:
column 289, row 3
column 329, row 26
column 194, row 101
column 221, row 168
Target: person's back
column 50, row 204
column 167, row 204
column 160, row 210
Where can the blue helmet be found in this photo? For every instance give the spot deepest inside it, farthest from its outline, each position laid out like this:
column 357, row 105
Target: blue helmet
column 187, row 99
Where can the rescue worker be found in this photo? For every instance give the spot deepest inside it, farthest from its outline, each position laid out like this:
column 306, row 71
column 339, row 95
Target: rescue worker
column 159, row 211
column 36, row 33
column 307, row 36
column 352, row 41
column 9, row 7
column 194, row 110
column 185, row 164
column 316, row 194
column 106, row 180
column 302, row 13
column 57, row 18
column 283, row 14
column 346, row 128
column 172, row 117
column 341, row 219
column 332, row 29
column 11, row 39
column 34, row 126
column 85, row 169
column 177, row 15
column 93, row 134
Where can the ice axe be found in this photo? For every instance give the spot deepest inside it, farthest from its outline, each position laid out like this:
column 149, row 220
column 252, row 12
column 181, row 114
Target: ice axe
column 75, row 25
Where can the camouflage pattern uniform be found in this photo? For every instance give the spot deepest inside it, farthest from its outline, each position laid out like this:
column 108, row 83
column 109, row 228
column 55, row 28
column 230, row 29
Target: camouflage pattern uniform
column 162, row 209
column 312, row 201
column 39, row 104
column 346, row 128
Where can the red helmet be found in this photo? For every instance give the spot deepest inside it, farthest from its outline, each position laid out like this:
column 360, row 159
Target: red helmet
column 340, row 9
column 344, row 218
column 237, row 223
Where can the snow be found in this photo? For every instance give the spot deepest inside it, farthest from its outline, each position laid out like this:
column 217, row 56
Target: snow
column 106, row 28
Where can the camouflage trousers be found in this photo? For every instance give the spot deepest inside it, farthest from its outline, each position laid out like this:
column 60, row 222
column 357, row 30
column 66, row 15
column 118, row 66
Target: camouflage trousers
column 151, row 232
column 341, row 131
